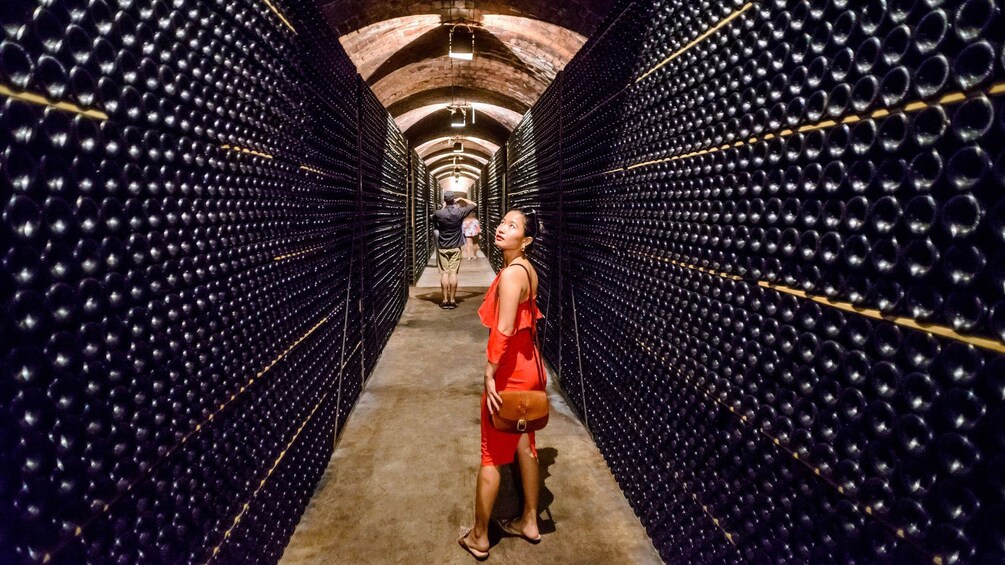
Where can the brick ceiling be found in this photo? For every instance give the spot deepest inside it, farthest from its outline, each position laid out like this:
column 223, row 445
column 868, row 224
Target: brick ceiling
column 400, row 49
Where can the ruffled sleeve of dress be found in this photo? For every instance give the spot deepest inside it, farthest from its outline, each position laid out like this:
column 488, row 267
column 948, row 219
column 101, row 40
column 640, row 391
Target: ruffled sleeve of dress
column 499, row 341
column 487, row 311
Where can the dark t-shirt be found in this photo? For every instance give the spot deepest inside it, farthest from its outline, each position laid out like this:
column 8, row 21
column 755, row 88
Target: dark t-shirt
column 449, row 221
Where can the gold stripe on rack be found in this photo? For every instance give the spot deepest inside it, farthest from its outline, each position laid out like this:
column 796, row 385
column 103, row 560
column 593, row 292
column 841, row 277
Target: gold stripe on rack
column 33, row 98
column 710, row 394
column 935, row 329
column 315, row 171
column 945, row 100
column 275, row 464
column 79, row 531
column 716, row 521
column 296, row 253
column 722, row 23
column 281, row 16
column 942, row 331
column 264, row 481
column 236, row 149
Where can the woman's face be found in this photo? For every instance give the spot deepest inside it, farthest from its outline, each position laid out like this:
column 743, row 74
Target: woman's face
column 510, row 233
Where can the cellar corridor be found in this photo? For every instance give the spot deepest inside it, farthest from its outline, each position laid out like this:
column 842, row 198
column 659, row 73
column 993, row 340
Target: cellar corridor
column 401, row 481
column 771, row 268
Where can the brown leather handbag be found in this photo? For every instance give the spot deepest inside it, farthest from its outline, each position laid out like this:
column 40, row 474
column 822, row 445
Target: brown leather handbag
column 524, row 411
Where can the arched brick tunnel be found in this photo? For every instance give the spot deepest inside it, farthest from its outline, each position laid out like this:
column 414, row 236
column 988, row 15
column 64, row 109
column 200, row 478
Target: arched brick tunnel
column 400, row 49
column 766, row 244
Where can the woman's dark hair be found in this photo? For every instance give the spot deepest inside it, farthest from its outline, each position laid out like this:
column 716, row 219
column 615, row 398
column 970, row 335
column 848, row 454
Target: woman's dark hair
column 532, row 225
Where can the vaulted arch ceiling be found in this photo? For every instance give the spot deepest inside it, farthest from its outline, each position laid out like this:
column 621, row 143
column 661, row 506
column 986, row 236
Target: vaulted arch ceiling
column 451, row 167
column 445, row 155
column 442, row 175
column 444, row 95
column 462, row 184
column 508, row 118
column 431, row 127
column 441, row 72
column 400, row 49
column 580, row 16
column 471, row 143
column 463, row 161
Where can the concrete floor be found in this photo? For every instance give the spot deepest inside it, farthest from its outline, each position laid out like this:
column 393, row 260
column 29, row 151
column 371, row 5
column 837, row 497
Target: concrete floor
column 401, row 482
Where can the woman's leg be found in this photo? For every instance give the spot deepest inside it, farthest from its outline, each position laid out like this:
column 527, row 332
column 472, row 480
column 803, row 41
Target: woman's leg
column 486, row 492
column 530, row 475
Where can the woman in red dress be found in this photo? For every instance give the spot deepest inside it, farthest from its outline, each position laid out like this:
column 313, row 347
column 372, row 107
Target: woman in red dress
column 509, row 313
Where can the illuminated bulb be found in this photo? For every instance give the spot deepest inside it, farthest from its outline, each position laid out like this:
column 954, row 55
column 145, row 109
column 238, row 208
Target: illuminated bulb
column 464, row 46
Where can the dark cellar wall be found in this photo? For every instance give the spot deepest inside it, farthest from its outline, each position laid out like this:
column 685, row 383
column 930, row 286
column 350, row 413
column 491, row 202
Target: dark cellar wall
column 773, row 272
column 419, row 228
column 204, row 252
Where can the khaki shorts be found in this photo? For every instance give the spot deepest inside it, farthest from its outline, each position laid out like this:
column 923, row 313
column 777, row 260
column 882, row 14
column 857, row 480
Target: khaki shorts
column 449, row 260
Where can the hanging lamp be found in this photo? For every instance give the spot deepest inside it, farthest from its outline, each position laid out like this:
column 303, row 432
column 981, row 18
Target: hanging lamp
column 457, row 118
column 462, row 42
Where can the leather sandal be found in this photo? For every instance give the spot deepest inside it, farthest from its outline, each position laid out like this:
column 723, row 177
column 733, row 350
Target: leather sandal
column 507, row 526
column 476, row 553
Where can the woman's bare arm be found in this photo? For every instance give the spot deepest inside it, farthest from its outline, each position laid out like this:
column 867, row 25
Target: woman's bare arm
column 511, row 284
column 509, row 291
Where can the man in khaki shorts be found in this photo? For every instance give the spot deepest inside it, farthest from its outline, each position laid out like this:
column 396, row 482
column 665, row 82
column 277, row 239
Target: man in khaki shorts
column 449, row 220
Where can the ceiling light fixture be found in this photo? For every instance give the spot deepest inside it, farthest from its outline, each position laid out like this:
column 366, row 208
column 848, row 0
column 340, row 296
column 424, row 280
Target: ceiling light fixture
column 462, row 42
column 459, row 114
column 457, row 119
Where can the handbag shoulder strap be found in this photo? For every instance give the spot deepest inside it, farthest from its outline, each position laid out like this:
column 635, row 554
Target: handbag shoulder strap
column 533, row 324
column 530, row 281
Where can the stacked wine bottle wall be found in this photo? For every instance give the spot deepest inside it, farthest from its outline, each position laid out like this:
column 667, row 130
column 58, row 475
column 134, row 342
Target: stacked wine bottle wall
column 492, row 205
column 481, row 191
column 203, row 255
column 420, row 211
column 774, row 275
column 475, row 195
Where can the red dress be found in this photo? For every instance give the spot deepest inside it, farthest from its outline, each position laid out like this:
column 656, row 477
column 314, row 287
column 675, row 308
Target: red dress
column 516, row 357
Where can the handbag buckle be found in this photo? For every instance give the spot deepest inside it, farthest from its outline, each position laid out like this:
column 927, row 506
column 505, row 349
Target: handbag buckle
column 521, row 425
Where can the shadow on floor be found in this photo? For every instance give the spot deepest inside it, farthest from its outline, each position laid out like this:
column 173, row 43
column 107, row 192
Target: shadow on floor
column 462, row 295
column 509, row 504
